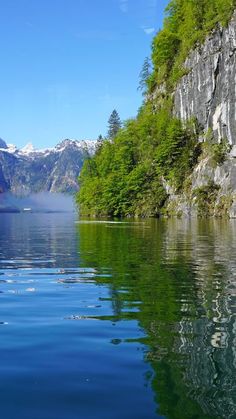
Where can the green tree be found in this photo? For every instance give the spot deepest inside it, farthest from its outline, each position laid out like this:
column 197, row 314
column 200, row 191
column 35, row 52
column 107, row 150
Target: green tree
column 144, row 75
column 114, row 124
column 128, row 174
column 99, row 143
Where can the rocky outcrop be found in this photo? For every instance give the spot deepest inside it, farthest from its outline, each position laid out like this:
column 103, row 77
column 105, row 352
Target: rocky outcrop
column 198, row 197
column 27, row 171
column 208, row 91
column 3, row 144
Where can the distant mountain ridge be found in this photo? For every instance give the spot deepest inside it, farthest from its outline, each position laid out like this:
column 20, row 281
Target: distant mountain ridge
column 28, row 170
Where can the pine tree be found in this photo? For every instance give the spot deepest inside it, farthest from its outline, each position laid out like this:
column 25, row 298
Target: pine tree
column 99, row 144
column 114, row 124
column 144, row 75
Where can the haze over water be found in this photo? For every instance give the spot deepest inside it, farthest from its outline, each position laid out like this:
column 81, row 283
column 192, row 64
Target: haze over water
column 117, row 319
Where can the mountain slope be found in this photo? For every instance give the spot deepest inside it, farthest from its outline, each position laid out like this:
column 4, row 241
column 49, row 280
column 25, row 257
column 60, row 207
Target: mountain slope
column 28, row 170
column 178, row 155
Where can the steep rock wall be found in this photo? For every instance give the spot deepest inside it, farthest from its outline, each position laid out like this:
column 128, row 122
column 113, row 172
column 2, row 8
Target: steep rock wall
column 208, row 91
column 206, row 174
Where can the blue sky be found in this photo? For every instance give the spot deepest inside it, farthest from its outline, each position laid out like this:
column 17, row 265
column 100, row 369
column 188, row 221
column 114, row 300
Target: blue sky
column 66, row 64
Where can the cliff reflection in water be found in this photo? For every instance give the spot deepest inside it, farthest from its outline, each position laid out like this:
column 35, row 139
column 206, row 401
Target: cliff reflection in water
column 178, row 280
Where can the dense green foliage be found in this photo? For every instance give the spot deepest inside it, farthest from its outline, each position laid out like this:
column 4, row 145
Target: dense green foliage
column 187, row 24
column 206, row 197
column 126, row 175
column 129, row 172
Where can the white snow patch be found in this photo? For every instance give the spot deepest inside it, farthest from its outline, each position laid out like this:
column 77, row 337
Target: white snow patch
column 29, row 151
column 11, row 148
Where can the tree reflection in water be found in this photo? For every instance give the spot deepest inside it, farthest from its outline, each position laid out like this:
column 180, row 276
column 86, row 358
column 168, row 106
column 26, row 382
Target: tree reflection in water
column 177, row 279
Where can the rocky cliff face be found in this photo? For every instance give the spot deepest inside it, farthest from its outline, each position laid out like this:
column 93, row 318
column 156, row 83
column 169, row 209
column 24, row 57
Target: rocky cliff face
column 208, row 93
column 27, row 171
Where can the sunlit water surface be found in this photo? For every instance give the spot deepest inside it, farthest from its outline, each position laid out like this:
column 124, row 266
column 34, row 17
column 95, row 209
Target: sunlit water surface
column 120, row 320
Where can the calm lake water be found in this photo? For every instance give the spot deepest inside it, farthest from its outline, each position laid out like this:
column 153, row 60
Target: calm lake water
column 117, row 320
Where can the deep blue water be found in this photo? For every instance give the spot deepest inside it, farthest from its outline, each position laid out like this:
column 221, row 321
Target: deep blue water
column 116, row 320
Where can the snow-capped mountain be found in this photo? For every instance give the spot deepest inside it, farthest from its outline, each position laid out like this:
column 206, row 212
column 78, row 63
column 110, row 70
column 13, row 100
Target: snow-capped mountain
column 28, row 170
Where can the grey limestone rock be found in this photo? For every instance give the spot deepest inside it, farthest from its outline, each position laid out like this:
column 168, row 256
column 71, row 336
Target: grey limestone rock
column 208, row 91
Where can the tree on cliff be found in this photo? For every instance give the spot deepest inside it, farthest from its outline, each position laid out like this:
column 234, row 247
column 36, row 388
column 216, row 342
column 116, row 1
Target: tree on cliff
column 144, row 75
column 114, row 124
column 128, row 177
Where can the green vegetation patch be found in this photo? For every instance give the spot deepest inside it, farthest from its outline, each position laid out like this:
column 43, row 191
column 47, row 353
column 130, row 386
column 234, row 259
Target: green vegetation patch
column 125, row 177
column 128, row 174
column 206, row 197
column 216, row 152
column 187, row 24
